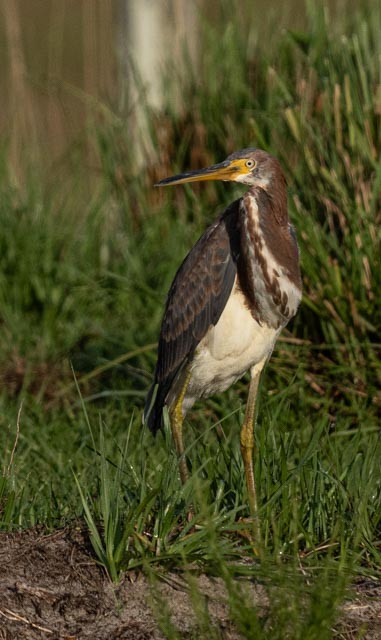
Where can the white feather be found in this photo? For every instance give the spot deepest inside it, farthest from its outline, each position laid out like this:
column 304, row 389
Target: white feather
column 228, row 350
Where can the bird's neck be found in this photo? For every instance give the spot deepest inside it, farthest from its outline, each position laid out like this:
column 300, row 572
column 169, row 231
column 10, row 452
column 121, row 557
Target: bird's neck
column 269, row 259
column 271, row 201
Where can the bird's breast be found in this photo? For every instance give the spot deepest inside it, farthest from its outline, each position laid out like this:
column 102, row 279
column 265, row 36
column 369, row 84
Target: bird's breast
column 230, row 348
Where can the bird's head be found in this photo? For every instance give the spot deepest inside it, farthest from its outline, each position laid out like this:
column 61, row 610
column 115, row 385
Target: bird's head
column 250, row 166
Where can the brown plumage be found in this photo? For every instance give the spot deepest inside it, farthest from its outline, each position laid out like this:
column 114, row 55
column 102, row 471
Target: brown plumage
column 236, row 289
column 195, row 301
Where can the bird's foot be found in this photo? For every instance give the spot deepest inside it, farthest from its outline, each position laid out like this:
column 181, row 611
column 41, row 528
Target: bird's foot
column 251, row 534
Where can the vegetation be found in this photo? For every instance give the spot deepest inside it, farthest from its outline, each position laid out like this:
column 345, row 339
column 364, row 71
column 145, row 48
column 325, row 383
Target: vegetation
column 82, row 285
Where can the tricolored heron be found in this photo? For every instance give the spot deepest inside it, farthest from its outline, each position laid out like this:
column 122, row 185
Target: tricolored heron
column 235, row 291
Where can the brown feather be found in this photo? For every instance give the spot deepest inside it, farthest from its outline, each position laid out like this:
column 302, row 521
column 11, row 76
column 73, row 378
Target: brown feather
column 196, row 299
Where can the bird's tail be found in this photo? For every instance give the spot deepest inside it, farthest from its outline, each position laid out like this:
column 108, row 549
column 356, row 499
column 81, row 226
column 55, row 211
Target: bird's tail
column 153, row 409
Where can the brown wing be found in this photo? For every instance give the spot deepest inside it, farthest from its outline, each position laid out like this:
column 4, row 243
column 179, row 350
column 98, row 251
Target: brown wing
column 196, row 299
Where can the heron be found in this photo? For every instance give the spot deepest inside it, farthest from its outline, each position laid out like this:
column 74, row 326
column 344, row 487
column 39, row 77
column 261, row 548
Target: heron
column 231, row 297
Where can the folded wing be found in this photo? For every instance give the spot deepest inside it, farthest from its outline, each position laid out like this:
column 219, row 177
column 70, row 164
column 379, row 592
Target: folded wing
column 196, row 300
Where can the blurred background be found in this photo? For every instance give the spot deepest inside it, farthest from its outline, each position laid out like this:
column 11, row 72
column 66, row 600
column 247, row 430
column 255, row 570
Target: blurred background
column 66, row 62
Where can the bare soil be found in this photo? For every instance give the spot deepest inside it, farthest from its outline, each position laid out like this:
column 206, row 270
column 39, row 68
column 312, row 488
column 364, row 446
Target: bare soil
column 51, row 587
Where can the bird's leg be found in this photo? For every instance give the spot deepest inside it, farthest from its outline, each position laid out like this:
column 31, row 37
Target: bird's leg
column 247, row 445
column 176, row 419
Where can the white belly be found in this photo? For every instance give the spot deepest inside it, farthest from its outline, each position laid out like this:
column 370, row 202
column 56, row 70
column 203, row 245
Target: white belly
column 228, row 350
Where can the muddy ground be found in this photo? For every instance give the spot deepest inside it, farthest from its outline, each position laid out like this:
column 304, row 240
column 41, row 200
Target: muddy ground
column 51, row 587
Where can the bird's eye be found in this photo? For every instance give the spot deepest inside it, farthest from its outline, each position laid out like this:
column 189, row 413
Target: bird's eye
column 250, row 164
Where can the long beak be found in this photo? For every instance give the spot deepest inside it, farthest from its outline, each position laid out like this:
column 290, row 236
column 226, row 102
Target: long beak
column 227, row 170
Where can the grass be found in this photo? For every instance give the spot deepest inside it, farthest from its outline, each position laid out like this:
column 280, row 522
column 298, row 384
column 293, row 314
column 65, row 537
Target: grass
column 82, row 286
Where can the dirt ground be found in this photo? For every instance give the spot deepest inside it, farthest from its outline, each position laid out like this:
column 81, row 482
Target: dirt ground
column 51, row 587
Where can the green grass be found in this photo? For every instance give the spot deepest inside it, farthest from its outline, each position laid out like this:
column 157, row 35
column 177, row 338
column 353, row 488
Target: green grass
column 82, row 286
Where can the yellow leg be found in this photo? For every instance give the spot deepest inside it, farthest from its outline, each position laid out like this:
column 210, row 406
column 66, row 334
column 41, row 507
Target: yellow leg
column 247, row 446
column 176, row 419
